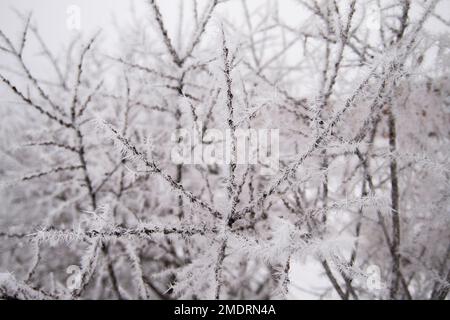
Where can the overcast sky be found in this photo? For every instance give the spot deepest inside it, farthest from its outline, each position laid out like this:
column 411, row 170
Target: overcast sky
column 51, row 15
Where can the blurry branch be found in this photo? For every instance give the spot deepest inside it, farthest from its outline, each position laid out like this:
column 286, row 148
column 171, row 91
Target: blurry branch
column 108, row 176
column 394, row 202
column 441, row 288
column 54, row 144
column 145, row 69
column 406, row 4
column 31, row 103
column 333, row 280
column 340, row 55
column 248, row 20
column 200, row 30
column 162, row 295
column 438, row 17
column 50, row 57
column 89, row 263
column 381, row 222
column 88, row 100
column 111, row 271
column 17, row 53
column 294, row 101
column 165, row 36
column 24, row 36
column 54, row 170
column 34, row 262
column 137, row 273
column 10, row 288
column 14, row 235
column 73, row 111
column 45, row 50
column 117, row 233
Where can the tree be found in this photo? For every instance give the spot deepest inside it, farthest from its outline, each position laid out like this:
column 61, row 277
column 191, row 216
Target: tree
column 359, row 94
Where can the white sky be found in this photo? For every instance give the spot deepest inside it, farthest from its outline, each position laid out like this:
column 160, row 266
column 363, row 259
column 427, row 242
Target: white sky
column 51, row 15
